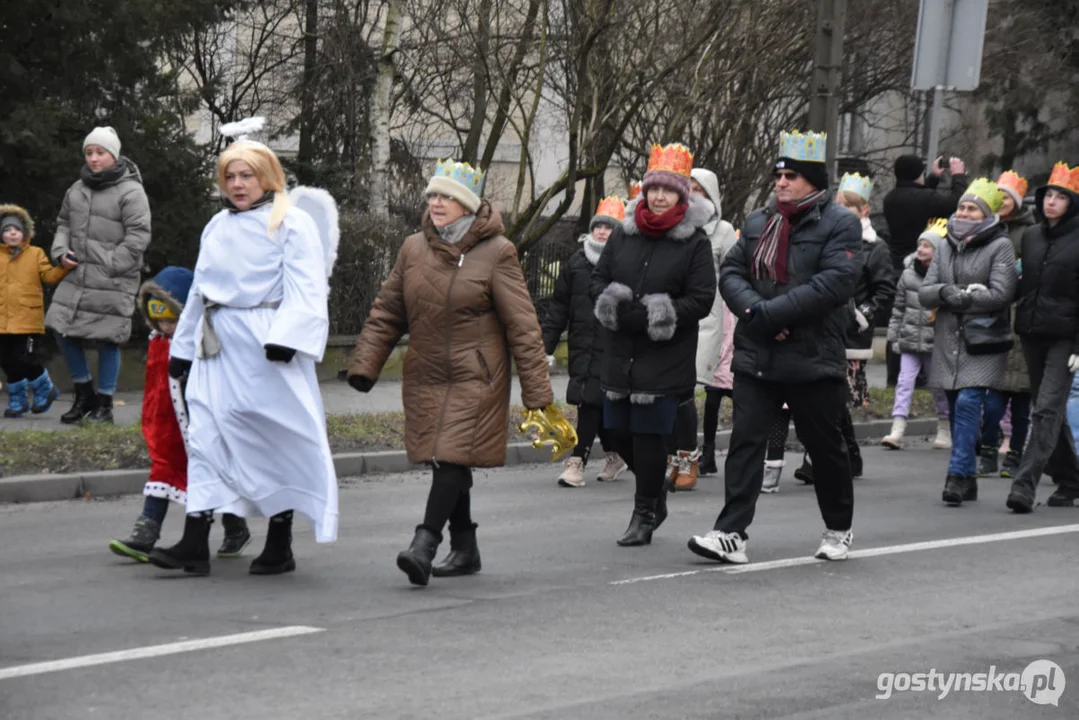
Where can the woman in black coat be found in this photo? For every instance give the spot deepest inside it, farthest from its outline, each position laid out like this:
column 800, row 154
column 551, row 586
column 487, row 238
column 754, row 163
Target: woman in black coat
column 653, row 284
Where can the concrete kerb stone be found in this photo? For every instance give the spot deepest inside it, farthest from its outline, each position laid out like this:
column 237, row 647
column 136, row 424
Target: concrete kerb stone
column 107, row 483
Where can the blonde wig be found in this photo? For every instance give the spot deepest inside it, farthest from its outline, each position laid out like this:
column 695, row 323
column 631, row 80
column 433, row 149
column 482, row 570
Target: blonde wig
column 268, row 170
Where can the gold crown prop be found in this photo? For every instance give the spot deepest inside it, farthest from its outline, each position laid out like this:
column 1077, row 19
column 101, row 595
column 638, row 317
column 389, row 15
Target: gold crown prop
column 552, row 428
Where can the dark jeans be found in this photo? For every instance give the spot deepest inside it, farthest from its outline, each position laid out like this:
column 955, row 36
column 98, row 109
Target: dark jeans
column 449, row 499
column 818, row 411
column 590, row 426
column 18, row 357
column 712, row 403
column 1051, row 448
column 684, row 436
column 965, row 408
column 646, row 457
column 991, row 435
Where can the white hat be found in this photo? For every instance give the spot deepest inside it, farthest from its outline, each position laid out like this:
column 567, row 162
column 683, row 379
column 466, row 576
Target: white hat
column 106, row 137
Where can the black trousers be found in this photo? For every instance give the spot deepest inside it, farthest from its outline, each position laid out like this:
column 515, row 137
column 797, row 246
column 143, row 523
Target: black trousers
column 712, row 403
column 818, row 410
column 646, row 457
column 589, row 427
column 450, row 498
column 1050, row 447
column 684, row 436
column 19, row 357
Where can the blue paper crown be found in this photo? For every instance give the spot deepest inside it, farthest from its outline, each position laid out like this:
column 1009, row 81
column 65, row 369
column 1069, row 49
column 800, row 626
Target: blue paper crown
column 472, row 178
column 857, row 184
column 809, row 147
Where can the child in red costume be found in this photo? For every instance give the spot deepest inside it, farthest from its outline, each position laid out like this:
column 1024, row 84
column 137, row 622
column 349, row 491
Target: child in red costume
column 164, row 424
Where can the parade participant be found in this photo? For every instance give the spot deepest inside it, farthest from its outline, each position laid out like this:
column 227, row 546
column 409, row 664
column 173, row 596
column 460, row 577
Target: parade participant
column 572, row 305
column 255, row 324
column 713, row 332
column 971, row 283
column 1047, row 320
column 24, row 268
column 164, row 422
column 1017, row 399
column 101, row 234
column 457, row 289
column 653, row 284
column 789, row 280
column 910, row 333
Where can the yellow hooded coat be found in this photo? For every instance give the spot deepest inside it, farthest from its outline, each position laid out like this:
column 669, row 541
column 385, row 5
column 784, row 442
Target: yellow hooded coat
column 23, row 270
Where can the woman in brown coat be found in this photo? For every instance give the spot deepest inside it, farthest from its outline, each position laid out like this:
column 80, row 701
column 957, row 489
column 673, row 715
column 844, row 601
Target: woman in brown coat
column 458, row 291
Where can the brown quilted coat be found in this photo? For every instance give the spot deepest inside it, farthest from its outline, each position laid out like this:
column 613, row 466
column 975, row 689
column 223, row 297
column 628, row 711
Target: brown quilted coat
column 466, row 309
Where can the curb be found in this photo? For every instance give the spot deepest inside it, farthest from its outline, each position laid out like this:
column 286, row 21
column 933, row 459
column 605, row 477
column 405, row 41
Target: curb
column 111, row 483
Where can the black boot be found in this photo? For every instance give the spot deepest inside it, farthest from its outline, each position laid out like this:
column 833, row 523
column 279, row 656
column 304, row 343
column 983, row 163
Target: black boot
column 1011, row 464
column 805, row 473
column 641, row 524
column 708, row 460
column 464, row 557
column 237, row 536
column 102, row 413
column 970, row 489
column 955, row 487
column 416, row 561
column 140, row 542
column 989, row 461
column 276, row 557
column 192, row 553
column 661, row 508
column 85, row 402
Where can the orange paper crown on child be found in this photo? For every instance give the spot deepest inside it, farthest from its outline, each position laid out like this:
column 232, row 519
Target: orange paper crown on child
column 1012, row 183
column 1065, row 177
column 675, row 158
column 634, row 189
column 611, row 206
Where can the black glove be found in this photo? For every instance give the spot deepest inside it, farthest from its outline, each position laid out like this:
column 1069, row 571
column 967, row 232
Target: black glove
column 953, row 298
column 756, row 324
column 632, row 317
column 361, row 383
column 178, row 368
column 279, row 353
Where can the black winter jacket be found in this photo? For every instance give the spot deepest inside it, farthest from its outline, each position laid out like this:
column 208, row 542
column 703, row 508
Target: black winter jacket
column 572, row 305
column 651, row 294
column 909, row 207
column 1048, row 306
column 823, row 264
column 873, row 296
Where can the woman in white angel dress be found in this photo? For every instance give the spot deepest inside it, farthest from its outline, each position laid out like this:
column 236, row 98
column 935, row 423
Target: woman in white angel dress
column 249, row 337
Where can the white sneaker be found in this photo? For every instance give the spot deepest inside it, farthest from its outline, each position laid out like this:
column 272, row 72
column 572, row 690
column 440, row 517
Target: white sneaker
column 773, row 470
column 721, row 546
column 834, row 545
column 573, row 475
column 613, row 466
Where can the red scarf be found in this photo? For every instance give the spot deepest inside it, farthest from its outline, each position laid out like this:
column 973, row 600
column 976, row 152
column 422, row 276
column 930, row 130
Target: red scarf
column 654, row 225
column 770, row 255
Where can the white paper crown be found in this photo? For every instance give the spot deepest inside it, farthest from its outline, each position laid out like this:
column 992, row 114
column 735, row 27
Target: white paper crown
column 808, row 147
column 857, row 184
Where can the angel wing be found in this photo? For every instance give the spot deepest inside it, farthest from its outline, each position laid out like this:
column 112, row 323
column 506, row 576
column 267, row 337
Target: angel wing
column 241, row 129
column 322, row 208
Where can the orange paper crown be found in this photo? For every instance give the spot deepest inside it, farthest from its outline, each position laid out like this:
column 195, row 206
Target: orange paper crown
column 634, row 189
column 1065, row 177
column 1012, row 180
column 611, row 206
column 675, row 158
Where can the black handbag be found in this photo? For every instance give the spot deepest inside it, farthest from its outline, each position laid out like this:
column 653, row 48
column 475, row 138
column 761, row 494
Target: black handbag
column 988, row 334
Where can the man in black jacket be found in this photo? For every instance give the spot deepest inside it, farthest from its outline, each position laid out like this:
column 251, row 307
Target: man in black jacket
column 789, row 281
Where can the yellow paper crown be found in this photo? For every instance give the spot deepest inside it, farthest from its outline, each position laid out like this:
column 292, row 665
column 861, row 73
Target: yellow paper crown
column 1065, row 177
column 611, row 206
column 634, row 189
column 675, row 158
column 810, row 147
column 986, row 190
column 854, row 182
column 938, row 226
column 159, row 310
column 1011, row 179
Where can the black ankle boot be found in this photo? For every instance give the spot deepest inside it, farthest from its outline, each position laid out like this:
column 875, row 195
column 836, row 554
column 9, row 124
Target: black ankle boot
column 708, row 461
column 805, row 473
column 641, row 524
column 464, row 557
column 102, row 411
column 192, row 553
column 970, row 489
column 416, row 561
column 276, row 557
column 988, row 461
column 955, row 487
column 85, row 402
column 661, row 508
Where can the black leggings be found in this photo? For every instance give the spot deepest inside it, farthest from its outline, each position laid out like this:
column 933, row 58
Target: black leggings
column 684, row 436
column 646, row 457
column 18, row 357
column 589, row 426
column 450, row 499
column 712, row 402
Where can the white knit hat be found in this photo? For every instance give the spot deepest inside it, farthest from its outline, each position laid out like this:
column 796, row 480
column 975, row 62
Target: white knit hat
column 106, row 137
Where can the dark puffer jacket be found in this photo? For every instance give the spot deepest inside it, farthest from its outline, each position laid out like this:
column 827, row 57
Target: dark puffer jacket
column 571, row 305
column 911, row 325
column 1048, row 306
column 651, row 294
column 909, row 207
column 873, row 293
column 823, row 264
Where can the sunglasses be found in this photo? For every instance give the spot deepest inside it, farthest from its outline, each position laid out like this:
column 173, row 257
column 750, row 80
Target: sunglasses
column 787, row 175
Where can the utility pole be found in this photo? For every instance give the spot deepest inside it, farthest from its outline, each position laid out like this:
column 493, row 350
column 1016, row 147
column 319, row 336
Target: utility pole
column 827, row 68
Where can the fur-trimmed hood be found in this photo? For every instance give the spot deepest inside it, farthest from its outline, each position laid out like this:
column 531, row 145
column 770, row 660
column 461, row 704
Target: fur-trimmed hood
column 698, row 214
column 23, row 216
column 171, row 286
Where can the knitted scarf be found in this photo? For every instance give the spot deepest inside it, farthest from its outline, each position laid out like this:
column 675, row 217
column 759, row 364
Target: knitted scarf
column 108, row 176
column 770, row 255
column 654, row 225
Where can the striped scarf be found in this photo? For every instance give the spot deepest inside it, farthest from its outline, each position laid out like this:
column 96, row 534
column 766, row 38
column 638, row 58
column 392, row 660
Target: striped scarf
column 770, row 255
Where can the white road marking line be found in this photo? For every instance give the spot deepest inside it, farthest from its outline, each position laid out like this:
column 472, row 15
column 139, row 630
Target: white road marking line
column 155, row 651
column 866, row 553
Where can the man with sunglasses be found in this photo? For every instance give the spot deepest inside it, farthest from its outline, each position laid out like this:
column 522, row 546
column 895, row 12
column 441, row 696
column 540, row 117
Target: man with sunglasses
column 789, row 280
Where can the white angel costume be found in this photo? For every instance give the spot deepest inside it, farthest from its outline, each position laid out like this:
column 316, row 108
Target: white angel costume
column 257, row 429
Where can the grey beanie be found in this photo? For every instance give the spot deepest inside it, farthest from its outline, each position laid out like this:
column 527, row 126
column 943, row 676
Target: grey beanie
column 11, row 221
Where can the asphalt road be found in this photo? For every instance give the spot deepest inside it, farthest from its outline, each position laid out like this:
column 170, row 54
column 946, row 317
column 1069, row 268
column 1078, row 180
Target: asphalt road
column 561, row 623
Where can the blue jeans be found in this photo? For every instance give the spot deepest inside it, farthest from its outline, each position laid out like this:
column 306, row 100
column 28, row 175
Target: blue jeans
column 966, row 407
column 1073, row 410
column 108, row 363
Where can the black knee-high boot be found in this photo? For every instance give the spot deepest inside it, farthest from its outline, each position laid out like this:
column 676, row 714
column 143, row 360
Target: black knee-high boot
column 192, row 553
column 276, row 557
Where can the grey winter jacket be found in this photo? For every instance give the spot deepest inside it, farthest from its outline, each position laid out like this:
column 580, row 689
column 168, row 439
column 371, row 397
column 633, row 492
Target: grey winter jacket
column 989, row 260
column 911, row 325
column 108, row 230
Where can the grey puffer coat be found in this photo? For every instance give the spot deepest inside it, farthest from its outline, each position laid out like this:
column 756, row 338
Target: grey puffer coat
column 986, row 259
column 108, row 230
column 911, row 325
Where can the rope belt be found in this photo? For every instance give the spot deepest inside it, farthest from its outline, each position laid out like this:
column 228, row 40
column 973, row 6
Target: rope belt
column 211, row 344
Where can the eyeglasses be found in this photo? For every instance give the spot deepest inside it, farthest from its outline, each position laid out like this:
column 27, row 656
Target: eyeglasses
column 440, row 196
column 787, row 175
